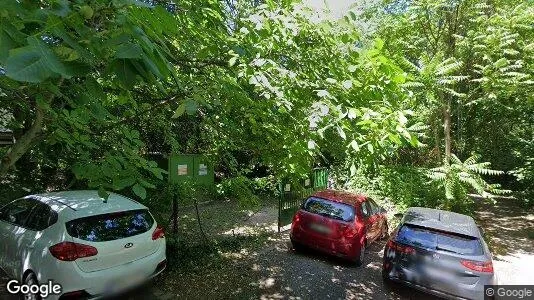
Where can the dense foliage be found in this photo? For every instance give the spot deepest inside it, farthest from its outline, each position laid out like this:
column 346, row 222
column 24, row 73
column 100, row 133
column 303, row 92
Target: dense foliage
column 98, row 92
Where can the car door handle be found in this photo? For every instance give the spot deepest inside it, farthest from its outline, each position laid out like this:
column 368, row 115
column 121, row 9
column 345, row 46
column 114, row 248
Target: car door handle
column 30, row 246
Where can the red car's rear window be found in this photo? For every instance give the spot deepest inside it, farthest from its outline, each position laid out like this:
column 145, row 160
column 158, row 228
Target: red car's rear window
column 329, row 209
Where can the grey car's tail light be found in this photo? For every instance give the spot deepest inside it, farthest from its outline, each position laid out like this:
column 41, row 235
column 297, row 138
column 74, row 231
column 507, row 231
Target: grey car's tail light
column 479, row 266
column 69, row 251
column 400, row 248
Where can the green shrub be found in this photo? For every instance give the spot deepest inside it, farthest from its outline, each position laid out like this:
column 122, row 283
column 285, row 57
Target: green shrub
column 239, row 188
column 405, row 186
column 525, row 183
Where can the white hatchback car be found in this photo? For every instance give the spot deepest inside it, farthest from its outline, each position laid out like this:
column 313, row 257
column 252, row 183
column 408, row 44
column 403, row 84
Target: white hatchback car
column 90, row 247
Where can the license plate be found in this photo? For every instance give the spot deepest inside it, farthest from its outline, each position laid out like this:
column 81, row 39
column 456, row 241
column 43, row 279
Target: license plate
column 125, row 283
column 320, row 228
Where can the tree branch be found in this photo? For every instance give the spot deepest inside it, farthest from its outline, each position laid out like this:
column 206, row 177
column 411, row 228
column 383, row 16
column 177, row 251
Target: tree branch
column 23, row 144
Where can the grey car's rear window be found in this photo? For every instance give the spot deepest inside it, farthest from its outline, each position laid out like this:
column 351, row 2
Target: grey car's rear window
column 434, row 239
column 329, row 209
column 108, row 227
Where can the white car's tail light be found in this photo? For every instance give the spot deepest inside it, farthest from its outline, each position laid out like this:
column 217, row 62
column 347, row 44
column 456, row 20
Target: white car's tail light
column 69, row 251
column 159, row 233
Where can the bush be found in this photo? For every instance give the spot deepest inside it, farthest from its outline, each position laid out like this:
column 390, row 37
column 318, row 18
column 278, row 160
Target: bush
column 525, row 183
column 405, row 186
column 239, row 188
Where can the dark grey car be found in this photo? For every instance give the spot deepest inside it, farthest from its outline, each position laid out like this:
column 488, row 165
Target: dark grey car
column 439, row 252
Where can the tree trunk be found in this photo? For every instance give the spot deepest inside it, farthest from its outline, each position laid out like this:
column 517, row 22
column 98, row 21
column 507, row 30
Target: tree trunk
column 23, row 144
column 436, row 123
column 447, row 129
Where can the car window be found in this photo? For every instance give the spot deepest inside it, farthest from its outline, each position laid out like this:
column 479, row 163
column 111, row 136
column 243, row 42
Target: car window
column 365, row 209
column 433, row 239
column 109, row 227
column 375, row 209
column 41, row 217
column 329, row 209
column 17, row 212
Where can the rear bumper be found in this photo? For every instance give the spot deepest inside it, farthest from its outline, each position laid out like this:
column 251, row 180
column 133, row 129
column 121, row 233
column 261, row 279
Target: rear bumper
column 340, row 248
column 459, row 291
column 426, row 289
column 106, row 282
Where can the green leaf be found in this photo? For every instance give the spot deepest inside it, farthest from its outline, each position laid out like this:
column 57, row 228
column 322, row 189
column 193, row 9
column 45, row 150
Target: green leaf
column 379, row 44
column 125, row 72
column 26, row 64
column 128, row 50
column 86, row 11
column 341, row 133
column 121, row 183
column 48, row 56
column 370, row 148
column 67, row 53
column 139, row 190
column 232, row 61
column 191, row 106
column 394, row 138
column 60, row 8
column 6, row 44
column 500, row 63
column 179, row 111
column 355, row 146
column 353, row 170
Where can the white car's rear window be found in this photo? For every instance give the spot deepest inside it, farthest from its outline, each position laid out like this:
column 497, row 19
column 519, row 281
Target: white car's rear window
column 108, row 227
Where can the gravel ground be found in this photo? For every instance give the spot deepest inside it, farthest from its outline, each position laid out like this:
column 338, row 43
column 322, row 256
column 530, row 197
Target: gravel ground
column 287, row 274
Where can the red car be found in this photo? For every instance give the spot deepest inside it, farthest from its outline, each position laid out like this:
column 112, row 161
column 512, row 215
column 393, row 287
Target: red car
column 338, row 223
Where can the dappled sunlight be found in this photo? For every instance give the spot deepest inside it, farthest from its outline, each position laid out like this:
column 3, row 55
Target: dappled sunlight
column 509, row 232
column 313, row 275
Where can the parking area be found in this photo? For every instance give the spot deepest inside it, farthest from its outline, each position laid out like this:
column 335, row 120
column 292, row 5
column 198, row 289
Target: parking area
column 275, row 271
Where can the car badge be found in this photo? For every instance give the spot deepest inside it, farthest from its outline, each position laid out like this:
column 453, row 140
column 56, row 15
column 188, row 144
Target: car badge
column 129, row 245
column 435, row 256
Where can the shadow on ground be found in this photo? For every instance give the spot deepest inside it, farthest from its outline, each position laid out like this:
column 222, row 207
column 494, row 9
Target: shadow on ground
column 286, row 274
column 509, row 232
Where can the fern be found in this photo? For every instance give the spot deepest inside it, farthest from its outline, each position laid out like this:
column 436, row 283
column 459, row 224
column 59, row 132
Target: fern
column 458, row 178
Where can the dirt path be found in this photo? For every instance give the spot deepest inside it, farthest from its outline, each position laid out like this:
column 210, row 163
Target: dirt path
column 509, row 232
column 310, row 275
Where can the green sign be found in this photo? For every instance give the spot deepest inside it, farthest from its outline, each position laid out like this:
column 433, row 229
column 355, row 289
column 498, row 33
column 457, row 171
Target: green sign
column 194, row 167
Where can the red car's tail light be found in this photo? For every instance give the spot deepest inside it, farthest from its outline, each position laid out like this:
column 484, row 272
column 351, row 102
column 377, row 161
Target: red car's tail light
column 159, row 233
column 296, row 218
column 479, row 266
column 69, row 251
column 400, row 248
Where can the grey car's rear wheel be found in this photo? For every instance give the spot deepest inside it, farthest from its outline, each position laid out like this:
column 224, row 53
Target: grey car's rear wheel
column 30, row 279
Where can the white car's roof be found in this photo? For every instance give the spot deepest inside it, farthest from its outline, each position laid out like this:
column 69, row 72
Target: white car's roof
column 79, row 204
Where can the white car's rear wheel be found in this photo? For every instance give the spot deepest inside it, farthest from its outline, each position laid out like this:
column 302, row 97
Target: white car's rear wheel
column 31, row 280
